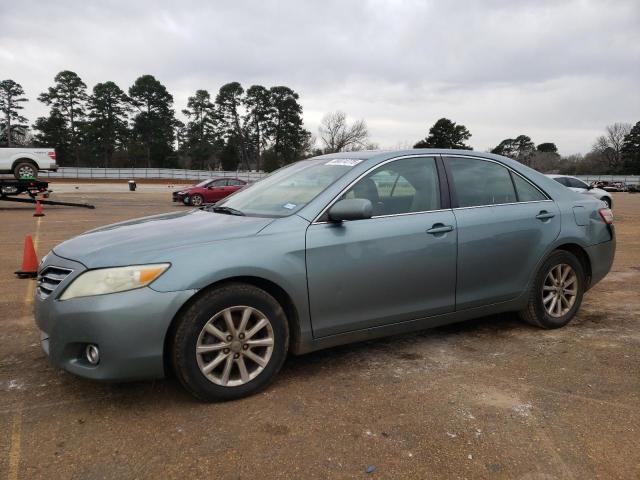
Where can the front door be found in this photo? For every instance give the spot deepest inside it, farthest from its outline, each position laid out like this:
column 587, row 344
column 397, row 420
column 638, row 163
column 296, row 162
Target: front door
column 216, row 190
column 397, row 266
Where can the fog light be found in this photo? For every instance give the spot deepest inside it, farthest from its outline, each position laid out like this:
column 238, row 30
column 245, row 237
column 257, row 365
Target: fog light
column 92, row 353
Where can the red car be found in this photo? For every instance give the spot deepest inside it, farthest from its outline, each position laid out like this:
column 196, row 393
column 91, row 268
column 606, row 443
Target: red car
column 209, row 191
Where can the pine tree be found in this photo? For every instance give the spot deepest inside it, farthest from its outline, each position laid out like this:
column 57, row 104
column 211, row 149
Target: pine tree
column 258, row 120
column 631, row 150
column 287, row 133
column 13, row 126
column 68, row 96
column 446, row 134
column 107, row 128
column 228, row 103
column 200, row 133
column 52, row 131
column 520, row 148
column 153, row 125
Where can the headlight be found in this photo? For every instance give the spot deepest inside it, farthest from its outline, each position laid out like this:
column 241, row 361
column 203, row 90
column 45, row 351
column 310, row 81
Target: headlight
column 112, row 280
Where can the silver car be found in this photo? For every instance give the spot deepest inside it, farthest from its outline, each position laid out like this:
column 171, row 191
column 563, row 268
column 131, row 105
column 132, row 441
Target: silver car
column 579, row 186
column 327, row 251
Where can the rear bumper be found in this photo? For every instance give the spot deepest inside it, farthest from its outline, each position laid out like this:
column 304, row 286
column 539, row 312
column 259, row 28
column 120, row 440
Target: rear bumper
column 129, row 329
column 601, row 257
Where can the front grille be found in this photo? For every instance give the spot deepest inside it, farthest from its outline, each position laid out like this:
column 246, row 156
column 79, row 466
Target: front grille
column 50, row 278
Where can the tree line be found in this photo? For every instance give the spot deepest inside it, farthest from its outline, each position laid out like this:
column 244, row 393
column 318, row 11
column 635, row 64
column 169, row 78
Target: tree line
column 616, row 151
column 258, row 128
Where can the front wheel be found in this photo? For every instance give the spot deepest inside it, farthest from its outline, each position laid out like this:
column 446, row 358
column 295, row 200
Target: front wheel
column 230, row 343
column 196, row 200
column 607, row 200
column 557, row 291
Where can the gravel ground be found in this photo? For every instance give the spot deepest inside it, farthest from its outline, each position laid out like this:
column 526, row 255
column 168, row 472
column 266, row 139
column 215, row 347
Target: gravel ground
column 489, row 398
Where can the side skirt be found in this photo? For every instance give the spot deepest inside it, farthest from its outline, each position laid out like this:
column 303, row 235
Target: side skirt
column 310, row 345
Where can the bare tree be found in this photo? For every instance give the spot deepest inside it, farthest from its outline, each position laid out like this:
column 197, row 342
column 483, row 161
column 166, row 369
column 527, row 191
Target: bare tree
column 609, row 146
column 338, row 136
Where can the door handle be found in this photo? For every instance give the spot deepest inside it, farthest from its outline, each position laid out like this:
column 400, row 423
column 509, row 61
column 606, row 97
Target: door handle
column 439, row 228
column 544, row 215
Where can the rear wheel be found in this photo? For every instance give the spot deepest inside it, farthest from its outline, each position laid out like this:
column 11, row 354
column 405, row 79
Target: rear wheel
column 230, row 343
column 197, row 200
column 25, row 169
column 557, row 291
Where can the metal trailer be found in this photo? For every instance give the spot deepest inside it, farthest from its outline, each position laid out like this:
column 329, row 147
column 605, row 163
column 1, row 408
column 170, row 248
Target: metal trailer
column 10, row 189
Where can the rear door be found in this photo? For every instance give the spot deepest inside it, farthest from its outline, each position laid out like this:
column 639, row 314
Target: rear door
column 397, row 266
column 505, row 224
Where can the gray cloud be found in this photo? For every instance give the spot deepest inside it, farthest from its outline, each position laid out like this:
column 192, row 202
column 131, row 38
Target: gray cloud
column 557, row 71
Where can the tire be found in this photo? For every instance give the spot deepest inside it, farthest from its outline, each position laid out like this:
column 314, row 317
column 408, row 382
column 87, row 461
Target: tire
column 193, row 331
column 25, row 169
column 196, row 200
column 607, row 200
column 537, row 311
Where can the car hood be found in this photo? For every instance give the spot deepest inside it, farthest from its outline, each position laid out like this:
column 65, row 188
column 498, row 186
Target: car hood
column 144, row 240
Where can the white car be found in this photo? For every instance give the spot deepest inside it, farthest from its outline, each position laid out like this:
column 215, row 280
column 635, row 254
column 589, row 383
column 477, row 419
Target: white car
column 579, row 186
column 27, row 162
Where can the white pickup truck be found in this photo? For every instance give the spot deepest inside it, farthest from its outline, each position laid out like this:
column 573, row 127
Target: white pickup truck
column 26, row 162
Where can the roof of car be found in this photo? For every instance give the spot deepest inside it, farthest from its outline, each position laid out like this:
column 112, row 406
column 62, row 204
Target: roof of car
column 562, row 176
column 378, row 155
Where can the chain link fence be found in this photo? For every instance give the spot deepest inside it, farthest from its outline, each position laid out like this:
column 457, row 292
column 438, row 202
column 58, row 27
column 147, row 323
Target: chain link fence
column 193, row 175
column 146, row 173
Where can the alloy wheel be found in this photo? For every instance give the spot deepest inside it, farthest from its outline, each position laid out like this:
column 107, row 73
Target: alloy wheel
column 559, row 290
column 196, row 200
column 235, row 346
column 26, row 171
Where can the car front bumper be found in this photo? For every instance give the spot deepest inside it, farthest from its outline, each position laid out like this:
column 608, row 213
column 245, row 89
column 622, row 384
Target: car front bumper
column 181, row 197
column 129, row 329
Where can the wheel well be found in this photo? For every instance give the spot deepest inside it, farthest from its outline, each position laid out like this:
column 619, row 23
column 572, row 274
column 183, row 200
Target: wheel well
column 582, row 256
column 24, row 160
column 273, row 289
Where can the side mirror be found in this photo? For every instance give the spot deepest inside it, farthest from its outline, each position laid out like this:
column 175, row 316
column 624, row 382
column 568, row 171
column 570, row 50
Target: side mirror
column 590, row 187
column 352, row 209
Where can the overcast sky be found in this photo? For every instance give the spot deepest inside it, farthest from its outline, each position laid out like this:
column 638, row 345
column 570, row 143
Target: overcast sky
column 557, row 71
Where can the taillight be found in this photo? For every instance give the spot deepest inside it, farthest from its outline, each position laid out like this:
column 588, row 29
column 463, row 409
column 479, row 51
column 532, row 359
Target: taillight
column 607, row 215
column 52, row 154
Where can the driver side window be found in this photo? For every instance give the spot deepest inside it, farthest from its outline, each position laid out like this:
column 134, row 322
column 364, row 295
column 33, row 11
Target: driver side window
column 409, row 185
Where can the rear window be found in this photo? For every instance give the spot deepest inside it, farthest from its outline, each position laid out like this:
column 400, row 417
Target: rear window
column 478, row 182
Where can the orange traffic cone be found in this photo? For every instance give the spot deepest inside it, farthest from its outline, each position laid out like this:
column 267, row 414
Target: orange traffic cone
column 29, row 260
column 38, row 209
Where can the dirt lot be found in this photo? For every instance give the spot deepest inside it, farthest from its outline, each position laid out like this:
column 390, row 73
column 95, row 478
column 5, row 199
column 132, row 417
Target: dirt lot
column 490, row 398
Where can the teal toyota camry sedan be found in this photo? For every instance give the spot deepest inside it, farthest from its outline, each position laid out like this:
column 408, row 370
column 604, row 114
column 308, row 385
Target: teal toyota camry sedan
column 334, row 249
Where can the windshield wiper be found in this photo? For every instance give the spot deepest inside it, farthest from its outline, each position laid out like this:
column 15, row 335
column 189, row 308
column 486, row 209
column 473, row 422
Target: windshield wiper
column 228, row 211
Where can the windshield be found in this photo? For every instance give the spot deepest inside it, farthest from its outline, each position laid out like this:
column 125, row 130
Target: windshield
column 204, row 184
column 287, row 190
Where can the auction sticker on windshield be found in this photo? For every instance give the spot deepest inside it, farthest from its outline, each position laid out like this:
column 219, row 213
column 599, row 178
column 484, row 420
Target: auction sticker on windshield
column 347, row 162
